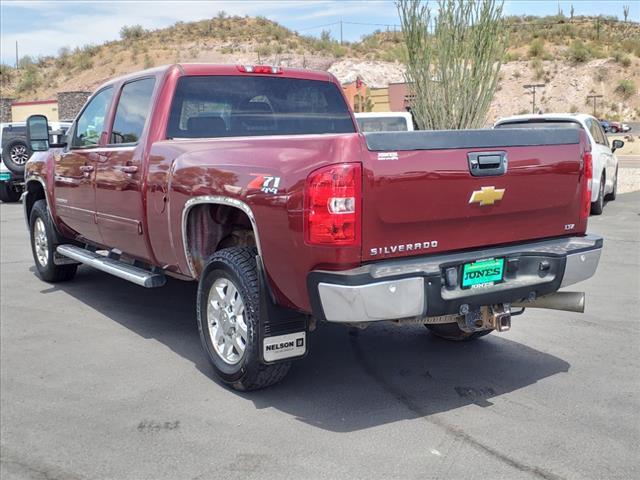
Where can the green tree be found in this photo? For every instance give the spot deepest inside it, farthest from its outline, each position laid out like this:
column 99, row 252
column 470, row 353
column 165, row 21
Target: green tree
column 452, row 68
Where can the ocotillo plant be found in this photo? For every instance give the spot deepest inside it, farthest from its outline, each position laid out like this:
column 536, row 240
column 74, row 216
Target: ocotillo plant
column 453, row 60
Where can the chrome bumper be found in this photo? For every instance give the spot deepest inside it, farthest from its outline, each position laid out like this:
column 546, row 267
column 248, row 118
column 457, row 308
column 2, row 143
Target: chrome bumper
column 376, row 301
column 409, row 288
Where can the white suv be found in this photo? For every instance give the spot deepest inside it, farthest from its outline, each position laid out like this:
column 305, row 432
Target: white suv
column 605, row 163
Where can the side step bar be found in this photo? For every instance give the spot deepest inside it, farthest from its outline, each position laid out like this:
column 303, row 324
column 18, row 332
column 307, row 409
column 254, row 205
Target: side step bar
column 136, row 275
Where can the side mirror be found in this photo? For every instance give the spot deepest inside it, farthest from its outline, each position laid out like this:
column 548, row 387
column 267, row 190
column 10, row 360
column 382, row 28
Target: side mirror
column 38, row 133
column 616, row 145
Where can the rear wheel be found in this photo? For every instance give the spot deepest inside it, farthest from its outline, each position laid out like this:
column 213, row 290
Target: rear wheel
column 451, row 331
column 9, row 192
column 598, row 205
column 228, row 320
column 43, row 246
column 613, row 129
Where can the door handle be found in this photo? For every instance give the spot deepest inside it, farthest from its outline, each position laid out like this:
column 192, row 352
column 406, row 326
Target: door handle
column 130, row 169
column 86, row 168
column 98, row 157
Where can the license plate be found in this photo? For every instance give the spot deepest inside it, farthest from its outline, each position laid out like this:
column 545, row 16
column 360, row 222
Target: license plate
column 483, row 272
column 5, row 176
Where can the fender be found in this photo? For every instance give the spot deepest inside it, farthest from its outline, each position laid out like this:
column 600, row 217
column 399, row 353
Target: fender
column 217, row 200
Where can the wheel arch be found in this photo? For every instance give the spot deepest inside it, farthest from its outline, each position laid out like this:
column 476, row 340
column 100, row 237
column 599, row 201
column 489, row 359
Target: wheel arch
column 34, row 189
column 222, row 217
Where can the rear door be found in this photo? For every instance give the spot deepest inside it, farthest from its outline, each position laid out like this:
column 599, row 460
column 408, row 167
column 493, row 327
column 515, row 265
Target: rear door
column 430, row 192
column 75, row 168
column 119, row 173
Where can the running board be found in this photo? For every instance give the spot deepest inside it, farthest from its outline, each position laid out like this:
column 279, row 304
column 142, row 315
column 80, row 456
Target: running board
column 136, row 275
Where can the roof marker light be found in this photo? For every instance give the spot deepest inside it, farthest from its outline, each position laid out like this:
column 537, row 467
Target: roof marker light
column 260, row 69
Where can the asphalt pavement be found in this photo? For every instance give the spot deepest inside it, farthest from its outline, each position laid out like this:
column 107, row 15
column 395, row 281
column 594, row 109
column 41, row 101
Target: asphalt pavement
column 101, row 379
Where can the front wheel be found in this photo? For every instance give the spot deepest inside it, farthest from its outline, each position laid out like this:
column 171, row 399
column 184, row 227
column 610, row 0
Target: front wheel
column 614, row 193
column 43, row 246
column 228, row 320
column 451, row 331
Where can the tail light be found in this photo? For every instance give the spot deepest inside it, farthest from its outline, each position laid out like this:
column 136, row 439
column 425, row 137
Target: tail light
column 587, row 183
column 332, row 208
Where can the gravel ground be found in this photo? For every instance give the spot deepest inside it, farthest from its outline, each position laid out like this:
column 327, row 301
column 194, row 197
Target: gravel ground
column 628, row 180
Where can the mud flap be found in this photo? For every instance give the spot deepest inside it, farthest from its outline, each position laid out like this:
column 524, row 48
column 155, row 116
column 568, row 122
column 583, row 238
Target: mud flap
column 283, row 332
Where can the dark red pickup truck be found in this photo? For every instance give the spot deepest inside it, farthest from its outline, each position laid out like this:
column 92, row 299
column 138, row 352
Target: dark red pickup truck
column 255, row 182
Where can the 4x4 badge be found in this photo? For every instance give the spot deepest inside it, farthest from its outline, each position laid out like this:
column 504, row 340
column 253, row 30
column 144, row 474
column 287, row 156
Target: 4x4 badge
column 486, row 196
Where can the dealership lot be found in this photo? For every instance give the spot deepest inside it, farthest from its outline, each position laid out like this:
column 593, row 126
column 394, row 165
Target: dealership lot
column 102, row 379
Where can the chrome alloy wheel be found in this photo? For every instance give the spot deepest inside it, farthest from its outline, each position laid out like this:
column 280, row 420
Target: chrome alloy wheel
column 226, row 321
column 40, row 243
column 19, row 154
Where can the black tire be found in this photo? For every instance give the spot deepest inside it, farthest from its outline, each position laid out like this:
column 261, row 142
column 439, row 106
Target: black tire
column 237, row 265
column 598, row 205
column 47, row 270
column 15, row 155
column 613, row 129
column 9, row 193
column 610, row 197
column 451, row 332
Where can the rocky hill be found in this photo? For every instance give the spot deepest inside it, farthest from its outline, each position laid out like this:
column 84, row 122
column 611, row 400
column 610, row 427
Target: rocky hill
column 573, row 57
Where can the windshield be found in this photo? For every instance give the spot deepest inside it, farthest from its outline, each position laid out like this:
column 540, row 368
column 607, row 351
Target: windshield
column 226, row 106
column 383, row 124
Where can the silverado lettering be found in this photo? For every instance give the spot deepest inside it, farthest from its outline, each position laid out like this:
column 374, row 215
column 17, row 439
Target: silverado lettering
column 158, row 177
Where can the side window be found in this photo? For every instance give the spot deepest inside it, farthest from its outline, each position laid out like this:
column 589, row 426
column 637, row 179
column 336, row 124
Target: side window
column 603, row 136
column 90, row 124
column 594, row 128
column 132, row 111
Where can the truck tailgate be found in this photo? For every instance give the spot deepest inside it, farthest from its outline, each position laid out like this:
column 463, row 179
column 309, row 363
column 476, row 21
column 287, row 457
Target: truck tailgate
column 421, row 195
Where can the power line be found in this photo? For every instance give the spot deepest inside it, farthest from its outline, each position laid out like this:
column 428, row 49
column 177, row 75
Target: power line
column 318, row 26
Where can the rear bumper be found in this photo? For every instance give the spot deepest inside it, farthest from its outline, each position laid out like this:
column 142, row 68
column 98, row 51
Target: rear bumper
column 416, row 287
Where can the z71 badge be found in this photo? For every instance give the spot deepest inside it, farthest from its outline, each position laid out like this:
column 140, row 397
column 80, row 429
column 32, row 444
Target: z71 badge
column 265, row 183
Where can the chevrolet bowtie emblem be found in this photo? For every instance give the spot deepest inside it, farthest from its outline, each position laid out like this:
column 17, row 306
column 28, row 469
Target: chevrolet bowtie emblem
column 486, row 196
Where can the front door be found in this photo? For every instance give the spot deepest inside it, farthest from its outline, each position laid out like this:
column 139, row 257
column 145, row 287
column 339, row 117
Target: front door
column 119, row 172
column 75, row 169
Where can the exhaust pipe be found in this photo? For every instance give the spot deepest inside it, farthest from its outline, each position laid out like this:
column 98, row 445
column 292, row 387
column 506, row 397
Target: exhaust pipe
column 567, row 301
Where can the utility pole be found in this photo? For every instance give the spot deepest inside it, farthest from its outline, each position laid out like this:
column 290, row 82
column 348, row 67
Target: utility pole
column 340, row 31
column 533, row 87
column 595, row 99
column 17, row 55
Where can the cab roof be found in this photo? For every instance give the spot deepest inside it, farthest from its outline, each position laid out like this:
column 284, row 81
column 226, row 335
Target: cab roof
column 197, row 69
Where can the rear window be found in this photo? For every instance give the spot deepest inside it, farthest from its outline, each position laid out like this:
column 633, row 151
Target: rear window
column 226, row 106
column 383, row 124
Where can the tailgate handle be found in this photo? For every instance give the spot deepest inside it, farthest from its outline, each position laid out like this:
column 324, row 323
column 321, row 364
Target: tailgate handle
column 485, row 164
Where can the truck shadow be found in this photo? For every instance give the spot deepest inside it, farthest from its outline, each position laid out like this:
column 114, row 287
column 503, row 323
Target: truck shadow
column 351, row 379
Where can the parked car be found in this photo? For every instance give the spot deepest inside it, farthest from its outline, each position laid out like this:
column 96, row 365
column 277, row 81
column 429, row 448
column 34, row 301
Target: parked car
column 15, row 152
column 14, row 147
column 255, row 182
column 605, row 163
column 618, row 127
column 385, row 121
